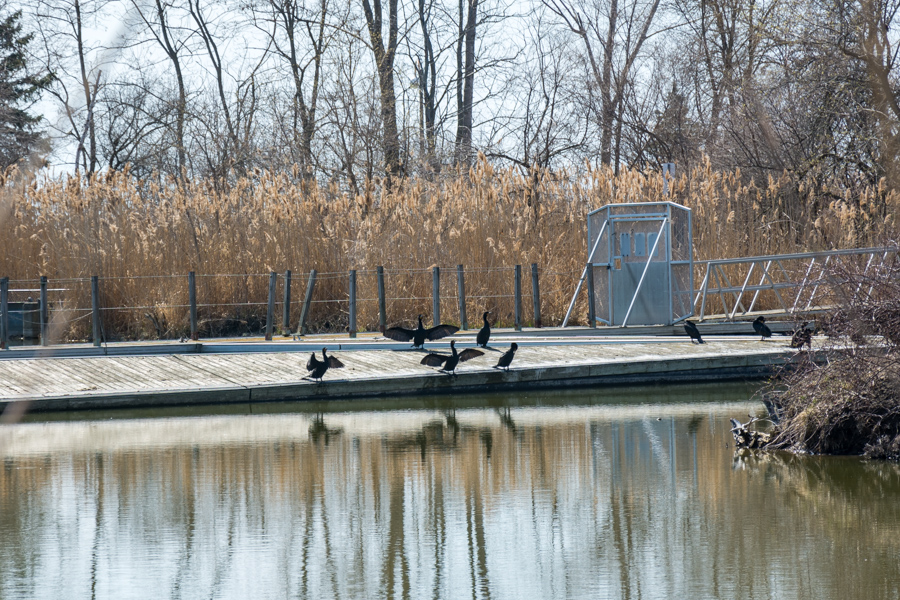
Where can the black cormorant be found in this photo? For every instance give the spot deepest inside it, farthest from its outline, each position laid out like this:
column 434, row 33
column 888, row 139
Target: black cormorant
column 450, row 362
column 420, row 334
column 692, row 331
column 802, row 336
column 507, row 357
column 318, row 367
column 484, row 334
column 760, row 327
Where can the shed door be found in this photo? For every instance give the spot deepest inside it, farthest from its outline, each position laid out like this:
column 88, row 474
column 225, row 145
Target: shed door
column 632, row 244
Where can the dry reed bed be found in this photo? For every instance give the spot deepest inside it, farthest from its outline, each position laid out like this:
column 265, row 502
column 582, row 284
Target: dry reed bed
column 143, row 237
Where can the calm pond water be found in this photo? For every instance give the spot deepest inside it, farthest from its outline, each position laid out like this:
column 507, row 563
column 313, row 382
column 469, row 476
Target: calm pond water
column 622, row 493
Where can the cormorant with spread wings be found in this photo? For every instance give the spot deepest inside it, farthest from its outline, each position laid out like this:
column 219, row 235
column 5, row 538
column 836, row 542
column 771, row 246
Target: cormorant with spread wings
column 420, row 334
column 318, row 367
column 450, row 362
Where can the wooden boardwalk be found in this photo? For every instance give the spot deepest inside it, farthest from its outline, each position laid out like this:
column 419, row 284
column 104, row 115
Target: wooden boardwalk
column 211, row 377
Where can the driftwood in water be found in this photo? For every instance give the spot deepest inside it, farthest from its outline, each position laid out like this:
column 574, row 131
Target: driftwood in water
column 744, row 437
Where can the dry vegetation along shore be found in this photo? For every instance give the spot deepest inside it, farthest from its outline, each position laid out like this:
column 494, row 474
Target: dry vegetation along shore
column 137, row 234
column 844, row 398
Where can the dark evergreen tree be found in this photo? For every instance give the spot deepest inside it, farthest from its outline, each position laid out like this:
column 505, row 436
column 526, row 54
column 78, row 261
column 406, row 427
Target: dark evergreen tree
column 19, row 136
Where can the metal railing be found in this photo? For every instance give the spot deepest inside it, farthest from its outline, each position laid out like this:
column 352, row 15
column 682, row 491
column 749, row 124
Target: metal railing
column 793, row 283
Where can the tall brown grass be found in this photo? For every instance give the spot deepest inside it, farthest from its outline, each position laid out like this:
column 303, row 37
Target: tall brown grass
column 142, row 237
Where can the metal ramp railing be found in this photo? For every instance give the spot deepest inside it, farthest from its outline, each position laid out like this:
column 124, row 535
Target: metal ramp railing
column 796, row 283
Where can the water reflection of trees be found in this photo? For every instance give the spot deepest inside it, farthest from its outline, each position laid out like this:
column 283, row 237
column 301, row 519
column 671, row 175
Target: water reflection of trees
column 495, row 506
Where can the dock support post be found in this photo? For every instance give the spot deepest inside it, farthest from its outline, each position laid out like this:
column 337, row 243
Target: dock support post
column 536, row 295
column 192, row 300
column 436, row 295
column 304, row 312
column 95, row 310
column 353, row 303
column 286, row 305
column 270, row 308
column 382, row 307
column 590, row 292
column 4, row 313
column 518, row 298
column 461, row 293
column 44, row 312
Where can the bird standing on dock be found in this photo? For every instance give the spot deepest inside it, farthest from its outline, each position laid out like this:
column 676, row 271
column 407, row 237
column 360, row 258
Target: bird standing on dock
column 450, row 362
column 760, row 327
column 692, row 331
column 484, row 334
column 420, row 334
column 318, row 367
column 507, row 357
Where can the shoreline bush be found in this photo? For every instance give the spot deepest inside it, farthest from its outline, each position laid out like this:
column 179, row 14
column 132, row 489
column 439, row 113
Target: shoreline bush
column 847, row 399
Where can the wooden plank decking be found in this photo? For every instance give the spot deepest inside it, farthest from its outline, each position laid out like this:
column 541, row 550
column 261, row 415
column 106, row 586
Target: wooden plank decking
column 204, row 378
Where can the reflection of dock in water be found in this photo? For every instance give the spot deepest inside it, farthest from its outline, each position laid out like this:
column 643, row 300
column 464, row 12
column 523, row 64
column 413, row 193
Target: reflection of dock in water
column 399, row 429
column 232, row 377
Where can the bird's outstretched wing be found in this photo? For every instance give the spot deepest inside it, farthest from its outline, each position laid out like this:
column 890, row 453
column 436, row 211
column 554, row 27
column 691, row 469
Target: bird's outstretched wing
column 469, row 353
column 439, row 331
column 399, row 333
column 312, row 363
column 334, row 363
column 434, row 360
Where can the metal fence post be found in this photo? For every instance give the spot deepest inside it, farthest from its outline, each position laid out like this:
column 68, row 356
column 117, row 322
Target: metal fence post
column 590, row 292
column 270, row 309
column 304, row 312
column 95, row 310
column 461, row 293
column 436, row 295
column 382, row 308
column 536, row 295
column 286, row 308
column 4, row 313
column 518, row 298
column 44, row 312
column 192, row 300
column 353, row 303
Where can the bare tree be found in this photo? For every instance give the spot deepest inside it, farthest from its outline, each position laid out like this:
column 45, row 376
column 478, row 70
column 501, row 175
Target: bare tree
column 67, row 49
column 238, row 96
column 351, row 119
column 172, row 41
column 300, row 37
column 545, row 124
column 384, row 63
column 861, row 30
column 131, row 127
column 465, row 78
column 613, row 35
column 427, row 75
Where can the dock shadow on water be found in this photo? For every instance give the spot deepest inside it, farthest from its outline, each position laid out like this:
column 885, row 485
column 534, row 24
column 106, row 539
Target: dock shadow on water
column 615, row 493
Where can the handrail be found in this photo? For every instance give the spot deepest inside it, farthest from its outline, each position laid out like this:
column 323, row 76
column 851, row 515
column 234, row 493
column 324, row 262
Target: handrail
column 799, row 255
column 771, row 268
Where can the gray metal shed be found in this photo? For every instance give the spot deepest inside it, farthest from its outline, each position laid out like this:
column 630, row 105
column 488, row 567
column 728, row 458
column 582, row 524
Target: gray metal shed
column 642, row 263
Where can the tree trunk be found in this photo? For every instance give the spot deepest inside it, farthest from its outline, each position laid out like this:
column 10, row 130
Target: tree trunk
column 384, row 60
column 427, row 91
column 90, row 154
column 466, row 80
